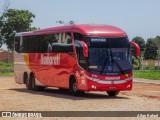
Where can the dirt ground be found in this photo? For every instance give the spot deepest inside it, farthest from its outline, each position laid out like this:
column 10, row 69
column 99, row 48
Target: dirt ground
column 143, row 97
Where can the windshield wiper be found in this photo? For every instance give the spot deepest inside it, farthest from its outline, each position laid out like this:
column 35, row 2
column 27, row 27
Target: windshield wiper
column 113, row 61
column 104, row 64
column 106, row 59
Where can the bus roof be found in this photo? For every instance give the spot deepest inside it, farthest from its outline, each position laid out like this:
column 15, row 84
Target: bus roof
column 86, row 29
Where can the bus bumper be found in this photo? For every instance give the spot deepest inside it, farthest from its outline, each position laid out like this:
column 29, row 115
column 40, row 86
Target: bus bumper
column 93, row 86
column 109, row 85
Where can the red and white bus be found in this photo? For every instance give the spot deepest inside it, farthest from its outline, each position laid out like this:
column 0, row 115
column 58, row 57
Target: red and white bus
column 75, row 57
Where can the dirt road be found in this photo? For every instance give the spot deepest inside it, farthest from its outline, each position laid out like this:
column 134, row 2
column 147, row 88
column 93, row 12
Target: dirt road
column 13, row 96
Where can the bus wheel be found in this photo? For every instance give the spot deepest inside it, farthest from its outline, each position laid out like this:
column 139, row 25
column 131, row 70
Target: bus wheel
column 34, row 86
column 113, row 93
column 73, row 87
column 28, row 83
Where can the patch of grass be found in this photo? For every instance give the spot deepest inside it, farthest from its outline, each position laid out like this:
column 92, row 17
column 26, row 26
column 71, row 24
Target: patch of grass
column 6, row 73
column 6, row 69
column 4, row 65
column 153, row 75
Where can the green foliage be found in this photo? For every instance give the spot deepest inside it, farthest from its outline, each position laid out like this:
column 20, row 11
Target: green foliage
column 157, row 39
column 154, row 75
column 33, row 28
column 151, row 49
column 6, row 69
column 140, row 41
column 151, row 67
column 158, row 53
column 136, row 62
column 4, row 66
column 6, row 73
column 14, row 21
column 1, row 37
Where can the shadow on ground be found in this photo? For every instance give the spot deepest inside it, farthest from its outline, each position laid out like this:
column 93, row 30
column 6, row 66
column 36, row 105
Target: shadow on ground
column 66, row 94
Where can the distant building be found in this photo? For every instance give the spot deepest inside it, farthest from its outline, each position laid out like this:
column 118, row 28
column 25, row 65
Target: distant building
column 6, row 56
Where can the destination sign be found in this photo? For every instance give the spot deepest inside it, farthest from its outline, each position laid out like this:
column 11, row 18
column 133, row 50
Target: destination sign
column 98, row 40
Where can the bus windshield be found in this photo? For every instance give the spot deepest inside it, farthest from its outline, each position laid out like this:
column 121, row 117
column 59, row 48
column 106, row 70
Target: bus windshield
column 109, row 56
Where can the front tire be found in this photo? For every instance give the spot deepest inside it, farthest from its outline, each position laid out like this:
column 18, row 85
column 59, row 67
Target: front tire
column 74, row 88
column 112, row 93
column 28, row 84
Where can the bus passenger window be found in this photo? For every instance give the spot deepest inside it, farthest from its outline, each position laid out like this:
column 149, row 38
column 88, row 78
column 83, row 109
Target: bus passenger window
column 69, row 40
column 51, row 39
column 78, row 36
column 56, row 38
column 17, row 44
column 21, row 47
column 66, row 38
column 79, row 50
column 49, row 49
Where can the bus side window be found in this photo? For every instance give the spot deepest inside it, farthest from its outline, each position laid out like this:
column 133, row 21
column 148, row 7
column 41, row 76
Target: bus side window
column 56, row 38
column 79, row 50
column 80, row 57
column 66, row 45
column 52, row 41
column 21, row 46
column 17, row 44
column 66, row 38
column 43, row 44
column 61, row 43
column 78, row 36
column 26, row 46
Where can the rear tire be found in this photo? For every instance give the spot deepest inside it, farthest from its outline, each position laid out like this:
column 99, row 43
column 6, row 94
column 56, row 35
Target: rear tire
column 112, row 93
column 28, row 84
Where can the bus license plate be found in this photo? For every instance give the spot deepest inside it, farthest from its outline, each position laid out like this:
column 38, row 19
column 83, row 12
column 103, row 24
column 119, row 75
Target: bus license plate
column 112, row 87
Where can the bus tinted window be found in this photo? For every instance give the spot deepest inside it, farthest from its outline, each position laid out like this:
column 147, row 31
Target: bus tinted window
column 60, row 42
column 119, row 42
column 17, row 44
column 66, row 38
column 79, row 50
column 31, row 44
column 78, row 36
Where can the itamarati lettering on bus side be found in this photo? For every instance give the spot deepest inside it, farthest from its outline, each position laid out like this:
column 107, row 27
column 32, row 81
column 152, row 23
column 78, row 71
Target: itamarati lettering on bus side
column 50, row 60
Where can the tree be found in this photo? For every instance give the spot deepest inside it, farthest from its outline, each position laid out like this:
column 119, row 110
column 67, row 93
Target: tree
column 151, row 49
column 140, row 41
column 158, row 51
column 157, row 39
column 2, row 12
column 136, row 63
column 14, row 21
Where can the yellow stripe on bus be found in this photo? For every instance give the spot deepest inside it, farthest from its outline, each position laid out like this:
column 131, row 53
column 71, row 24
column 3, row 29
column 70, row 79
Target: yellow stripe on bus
column 26, row 58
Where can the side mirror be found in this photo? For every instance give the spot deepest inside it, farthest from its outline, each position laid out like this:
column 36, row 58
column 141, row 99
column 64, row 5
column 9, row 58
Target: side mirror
column 85, row 48
column 136, row 47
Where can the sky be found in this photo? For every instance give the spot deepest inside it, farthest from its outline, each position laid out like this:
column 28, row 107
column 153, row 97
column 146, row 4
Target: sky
column 135, row 17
